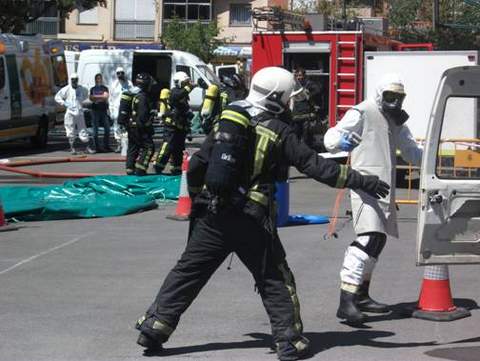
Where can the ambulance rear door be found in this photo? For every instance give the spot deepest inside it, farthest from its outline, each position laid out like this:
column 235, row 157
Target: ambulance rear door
column 449, row 209
column 4, row 95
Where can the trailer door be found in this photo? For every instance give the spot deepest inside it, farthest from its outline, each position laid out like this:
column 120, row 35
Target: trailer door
column 449, row 212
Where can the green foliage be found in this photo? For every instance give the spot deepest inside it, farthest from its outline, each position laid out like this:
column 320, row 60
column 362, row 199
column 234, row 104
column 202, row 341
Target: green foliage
column 410, row 21
column 199, row 39
column 16, row 14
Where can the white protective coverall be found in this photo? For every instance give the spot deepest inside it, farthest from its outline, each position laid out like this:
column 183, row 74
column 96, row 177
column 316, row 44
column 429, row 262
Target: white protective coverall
column 74, row 121
column 375, row 155
column 116, row 89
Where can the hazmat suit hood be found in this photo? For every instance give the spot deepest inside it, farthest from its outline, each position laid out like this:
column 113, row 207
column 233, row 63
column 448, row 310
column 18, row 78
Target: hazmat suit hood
column 392, row 82
column 392, row 109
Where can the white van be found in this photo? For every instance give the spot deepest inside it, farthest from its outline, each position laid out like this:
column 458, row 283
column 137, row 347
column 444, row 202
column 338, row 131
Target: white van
column 31, row 72
column 161, row 64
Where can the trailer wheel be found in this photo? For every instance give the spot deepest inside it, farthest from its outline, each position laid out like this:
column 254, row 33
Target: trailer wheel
column 40, row 140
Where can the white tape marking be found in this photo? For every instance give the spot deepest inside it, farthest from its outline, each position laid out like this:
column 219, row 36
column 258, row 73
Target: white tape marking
column 53, row 249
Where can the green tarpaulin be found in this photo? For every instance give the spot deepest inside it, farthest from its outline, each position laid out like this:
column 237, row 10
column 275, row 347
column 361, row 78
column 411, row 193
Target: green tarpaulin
column 102, row 196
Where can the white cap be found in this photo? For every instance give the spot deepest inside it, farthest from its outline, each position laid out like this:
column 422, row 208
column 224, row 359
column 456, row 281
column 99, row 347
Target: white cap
column 119, row 70
column 74, row 76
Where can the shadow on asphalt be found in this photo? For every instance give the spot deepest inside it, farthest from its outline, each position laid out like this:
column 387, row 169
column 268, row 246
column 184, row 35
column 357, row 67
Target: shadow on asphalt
column 319, row 341
column 405, row 309
column 362, row 335
column 456, row 353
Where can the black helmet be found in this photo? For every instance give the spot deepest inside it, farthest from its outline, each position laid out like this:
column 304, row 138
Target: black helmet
column 143, row 81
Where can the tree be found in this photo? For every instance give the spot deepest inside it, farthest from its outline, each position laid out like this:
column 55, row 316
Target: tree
column 198, row 38
column 459, row 28
column 16, row 14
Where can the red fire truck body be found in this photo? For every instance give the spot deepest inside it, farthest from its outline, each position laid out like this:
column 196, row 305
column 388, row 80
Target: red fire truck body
column 334, row 59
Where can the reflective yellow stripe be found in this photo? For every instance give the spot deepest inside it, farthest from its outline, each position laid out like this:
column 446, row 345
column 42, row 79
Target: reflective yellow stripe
column 260, row 129
column 140, row 166
column 264, row 136
column 349, row 287
column 235, row 117
column 162, row 152
column 292, row 291
column 258, row 197
column 342, row 177
column 162, row 327
column 141, row 320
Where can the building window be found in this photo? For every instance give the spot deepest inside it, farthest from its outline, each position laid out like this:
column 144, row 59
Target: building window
column 88, row 17
column 240, row 14
column 187, row 10
column 134, row 19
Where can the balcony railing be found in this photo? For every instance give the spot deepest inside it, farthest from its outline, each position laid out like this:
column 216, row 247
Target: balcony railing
column 134, row 30
column 43, row 25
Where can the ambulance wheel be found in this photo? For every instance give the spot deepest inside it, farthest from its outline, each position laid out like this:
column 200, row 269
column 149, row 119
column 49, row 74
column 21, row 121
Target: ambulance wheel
column 41, row 138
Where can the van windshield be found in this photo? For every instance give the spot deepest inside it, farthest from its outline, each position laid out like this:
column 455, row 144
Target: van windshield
column 208, row 73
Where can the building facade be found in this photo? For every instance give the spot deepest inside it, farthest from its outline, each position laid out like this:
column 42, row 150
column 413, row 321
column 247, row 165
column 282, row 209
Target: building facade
column 144, row 20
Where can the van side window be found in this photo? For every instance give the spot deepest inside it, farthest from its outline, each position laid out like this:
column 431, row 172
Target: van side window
column 185, row 69
column 458, row 154
column 2, row 73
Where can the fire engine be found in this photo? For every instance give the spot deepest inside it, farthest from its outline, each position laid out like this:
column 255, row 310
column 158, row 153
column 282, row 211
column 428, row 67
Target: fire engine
column 333, row 59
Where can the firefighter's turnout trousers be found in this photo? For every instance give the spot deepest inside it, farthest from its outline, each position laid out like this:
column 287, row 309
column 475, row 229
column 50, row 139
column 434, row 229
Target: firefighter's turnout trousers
column 173, row 146
column 212, row 238
column 140, row 150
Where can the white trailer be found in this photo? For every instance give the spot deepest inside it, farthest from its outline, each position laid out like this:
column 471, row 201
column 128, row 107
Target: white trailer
column 422, row 72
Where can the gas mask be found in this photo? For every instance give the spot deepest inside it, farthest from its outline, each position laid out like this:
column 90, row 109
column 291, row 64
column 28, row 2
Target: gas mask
column 392, row 107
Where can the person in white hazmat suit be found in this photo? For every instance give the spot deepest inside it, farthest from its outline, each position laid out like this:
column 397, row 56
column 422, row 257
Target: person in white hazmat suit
column 72, row 97
column 118, row 86
column 372, row 130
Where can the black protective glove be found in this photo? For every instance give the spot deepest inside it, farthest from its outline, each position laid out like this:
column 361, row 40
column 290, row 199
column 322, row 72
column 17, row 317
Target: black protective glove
column 370, row 184
column 375, row 187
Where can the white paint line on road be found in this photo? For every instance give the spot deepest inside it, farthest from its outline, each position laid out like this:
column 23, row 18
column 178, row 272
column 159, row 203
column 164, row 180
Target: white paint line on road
column 53, row 249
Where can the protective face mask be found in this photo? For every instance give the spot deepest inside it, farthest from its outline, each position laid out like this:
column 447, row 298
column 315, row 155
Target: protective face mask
column 74, row 84
column 392, row 102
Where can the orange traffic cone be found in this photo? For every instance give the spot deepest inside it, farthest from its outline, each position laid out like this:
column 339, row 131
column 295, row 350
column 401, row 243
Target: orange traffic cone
column 184, row 205
column 435, row 302
column 4, row 226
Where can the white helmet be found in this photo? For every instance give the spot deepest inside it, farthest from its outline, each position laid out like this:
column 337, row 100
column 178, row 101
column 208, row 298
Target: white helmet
column 180, row 78
column 271, row 89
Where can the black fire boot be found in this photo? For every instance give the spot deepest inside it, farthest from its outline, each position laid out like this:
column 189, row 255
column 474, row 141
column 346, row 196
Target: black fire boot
column 149, row 343
column 348, row 309
column 293, row 350
column 153, row 333
column 366, row 304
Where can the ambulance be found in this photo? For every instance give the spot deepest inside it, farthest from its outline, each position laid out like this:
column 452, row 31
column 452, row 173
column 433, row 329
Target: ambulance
column 31, row 72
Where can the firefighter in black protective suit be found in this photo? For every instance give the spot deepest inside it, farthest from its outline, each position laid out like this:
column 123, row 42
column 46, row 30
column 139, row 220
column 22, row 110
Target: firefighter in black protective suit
column 176, row 125
column 308, row 112
column 231, row 180
column 135, row 114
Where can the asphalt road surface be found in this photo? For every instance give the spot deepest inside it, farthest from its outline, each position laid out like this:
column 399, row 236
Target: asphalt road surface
column 72, row 290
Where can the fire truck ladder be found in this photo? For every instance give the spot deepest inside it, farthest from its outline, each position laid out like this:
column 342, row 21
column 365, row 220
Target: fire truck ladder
column 346, row 95
column 276, row 19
